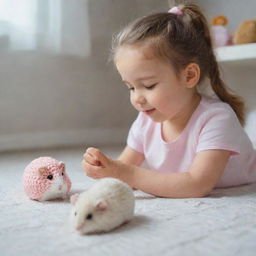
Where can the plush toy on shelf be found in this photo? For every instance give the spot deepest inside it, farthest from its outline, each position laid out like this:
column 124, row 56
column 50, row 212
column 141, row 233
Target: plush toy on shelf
column 245, row 33
column 220, row 34
column 45, row 178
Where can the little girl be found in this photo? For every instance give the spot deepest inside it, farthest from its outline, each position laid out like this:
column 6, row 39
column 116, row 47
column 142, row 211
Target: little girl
column 191, row 142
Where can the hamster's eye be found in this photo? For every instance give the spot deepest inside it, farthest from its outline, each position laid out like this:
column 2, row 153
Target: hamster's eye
column 49, row 177
column 62, row 173
column 89, row 216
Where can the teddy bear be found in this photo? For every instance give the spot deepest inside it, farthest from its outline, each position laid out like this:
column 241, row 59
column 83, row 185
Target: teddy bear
column 245, row 33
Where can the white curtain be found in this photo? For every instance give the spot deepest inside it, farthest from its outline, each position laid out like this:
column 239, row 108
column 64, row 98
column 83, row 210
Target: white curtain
column 58, row 26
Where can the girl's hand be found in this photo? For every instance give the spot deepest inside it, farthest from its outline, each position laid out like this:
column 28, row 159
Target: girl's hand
column 97, row 165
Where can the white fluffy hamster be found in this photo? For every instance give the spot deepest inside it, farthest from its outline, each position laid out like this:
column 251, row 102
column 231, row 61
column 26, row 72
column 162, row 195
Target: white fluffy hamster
column 105, row 206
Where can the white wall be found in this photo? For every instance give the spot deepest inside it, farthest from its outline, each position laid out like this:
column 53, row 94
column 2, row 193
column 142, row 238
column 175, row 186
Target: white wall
column 51, row 100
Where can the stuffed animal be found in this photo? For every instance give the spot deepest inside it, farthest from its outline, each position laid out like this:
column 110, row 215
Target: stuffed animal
column 108, row 204
column 45, row 178
column 220, row 34
column 245, row 33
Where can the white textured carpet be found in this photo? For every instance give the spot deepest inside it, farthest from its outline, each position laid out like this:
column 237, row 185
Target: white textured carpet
column 222, row 224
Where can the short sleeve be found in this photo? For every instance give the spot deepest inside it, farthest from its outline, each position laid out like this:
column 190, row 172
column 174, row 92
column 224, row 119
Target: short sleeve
column 135, row 136
column 220, row 130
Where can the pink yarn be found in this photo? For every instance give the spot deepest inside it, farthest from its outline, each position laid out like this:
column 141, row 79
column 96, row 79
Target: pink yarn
column 176, row 10
column 35, row 183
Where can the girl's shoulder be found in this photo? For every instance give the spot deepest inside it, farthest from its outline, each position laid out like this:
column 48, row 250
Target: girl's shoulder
column 213, row 105
column 212, row 108
column 210, row 102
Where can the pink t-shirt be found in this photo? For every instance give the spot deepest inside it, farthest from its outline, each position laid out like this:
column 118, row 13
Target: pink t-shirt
column 213, row 125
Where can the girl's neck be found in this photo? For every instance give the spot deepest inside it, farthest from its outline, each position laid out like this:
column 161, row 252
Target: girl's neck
column 171, row 129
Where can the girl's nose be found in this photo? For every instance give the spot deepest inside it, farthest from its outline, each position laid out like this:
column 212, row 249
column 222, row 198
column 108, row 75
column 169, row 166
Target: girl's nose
column 140, row 99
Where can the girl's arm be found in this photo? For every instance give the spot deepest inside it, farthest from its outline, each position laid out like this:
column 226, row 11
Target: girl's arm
column 130, row 156
column 198, row 181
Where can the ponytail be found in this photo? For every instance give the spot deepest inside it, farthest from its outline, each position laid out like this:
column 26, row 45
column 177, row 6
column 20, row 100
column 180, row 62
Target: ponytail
column 199, row 23
column 224, row 93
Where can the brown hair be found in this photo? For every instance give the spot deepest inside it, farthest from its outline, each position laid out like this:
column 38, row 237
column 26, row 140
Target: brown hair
column 181, row 39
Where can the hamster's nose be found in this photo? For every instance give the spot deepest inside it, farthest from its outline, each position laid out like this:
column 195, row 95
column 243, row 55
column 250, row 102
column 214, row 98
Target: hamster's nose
column 79, row 227
column 60, row 187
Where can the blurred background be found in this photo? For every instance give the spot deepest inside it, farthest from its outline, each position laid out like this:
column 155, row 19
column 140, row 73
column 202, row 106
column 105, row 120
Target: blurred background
column 57, row 87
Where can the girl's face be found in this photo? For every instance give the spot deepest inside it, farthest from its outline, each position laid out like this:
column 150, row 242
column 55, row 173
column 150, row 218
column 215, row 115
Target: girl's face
column 154, row 87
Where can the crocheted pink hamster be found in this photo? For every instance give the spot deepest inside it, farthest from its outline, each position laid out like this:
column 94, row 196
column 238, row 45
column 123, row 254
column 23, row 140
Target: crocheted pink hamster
column 45, row 178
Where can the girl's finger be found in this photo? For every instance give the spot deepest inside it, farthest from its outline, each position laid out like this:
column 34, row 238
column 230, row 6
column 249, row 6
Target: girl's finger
column 91, row 170
column 91, row 160
column 98, row 155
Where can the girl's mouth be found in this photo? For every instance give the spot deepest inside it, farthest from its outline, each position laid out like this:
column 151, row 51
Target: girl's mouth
column 150, row 111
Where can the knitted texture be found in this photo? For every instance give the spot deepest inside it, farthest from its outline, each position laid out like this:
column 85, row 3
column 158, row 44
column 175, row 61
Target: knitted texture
column 40, row 175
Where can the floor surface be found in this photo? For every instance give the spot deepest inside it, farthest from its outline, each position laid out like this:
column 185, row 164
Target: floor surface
column 222, row 224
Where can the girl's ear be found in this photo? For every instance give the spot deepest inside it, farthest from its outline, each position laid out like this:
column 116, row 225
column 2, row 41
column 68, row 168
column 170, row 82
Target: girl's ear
column 62, row 165
column 191, row 75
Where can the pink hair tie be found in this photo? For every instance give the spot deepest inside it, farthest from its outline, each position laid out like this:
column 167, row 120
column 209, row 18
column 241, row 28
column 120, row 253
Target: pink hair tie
column 176, row 10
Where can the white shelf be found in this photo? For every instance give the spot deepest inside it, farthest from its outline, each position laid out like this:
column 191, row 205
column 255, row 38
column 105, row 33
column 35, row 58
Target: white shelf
column 237, row 53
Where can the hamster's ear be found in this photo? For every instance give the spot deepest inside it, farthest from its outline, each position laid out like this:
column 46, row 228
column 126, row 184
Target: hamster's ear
column 102, row 205
column 74, row 198
column 62, row 165
column 42, row 170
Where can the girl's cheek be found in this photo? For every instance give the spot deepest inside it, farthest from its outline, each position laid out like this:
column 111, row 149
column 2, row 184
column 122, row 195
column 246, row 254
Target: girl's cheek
column 157, row 100
column 133, row 102
column 162, row 103
column 131, row 99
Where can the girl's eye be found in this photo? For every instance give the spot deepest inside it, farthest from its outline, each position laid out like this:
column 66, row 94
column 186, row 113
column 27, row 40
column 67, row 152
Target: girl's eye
column 150, row 87
column 49, row 177
column 75, row 213
column 89, row 216
column 131, row 88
